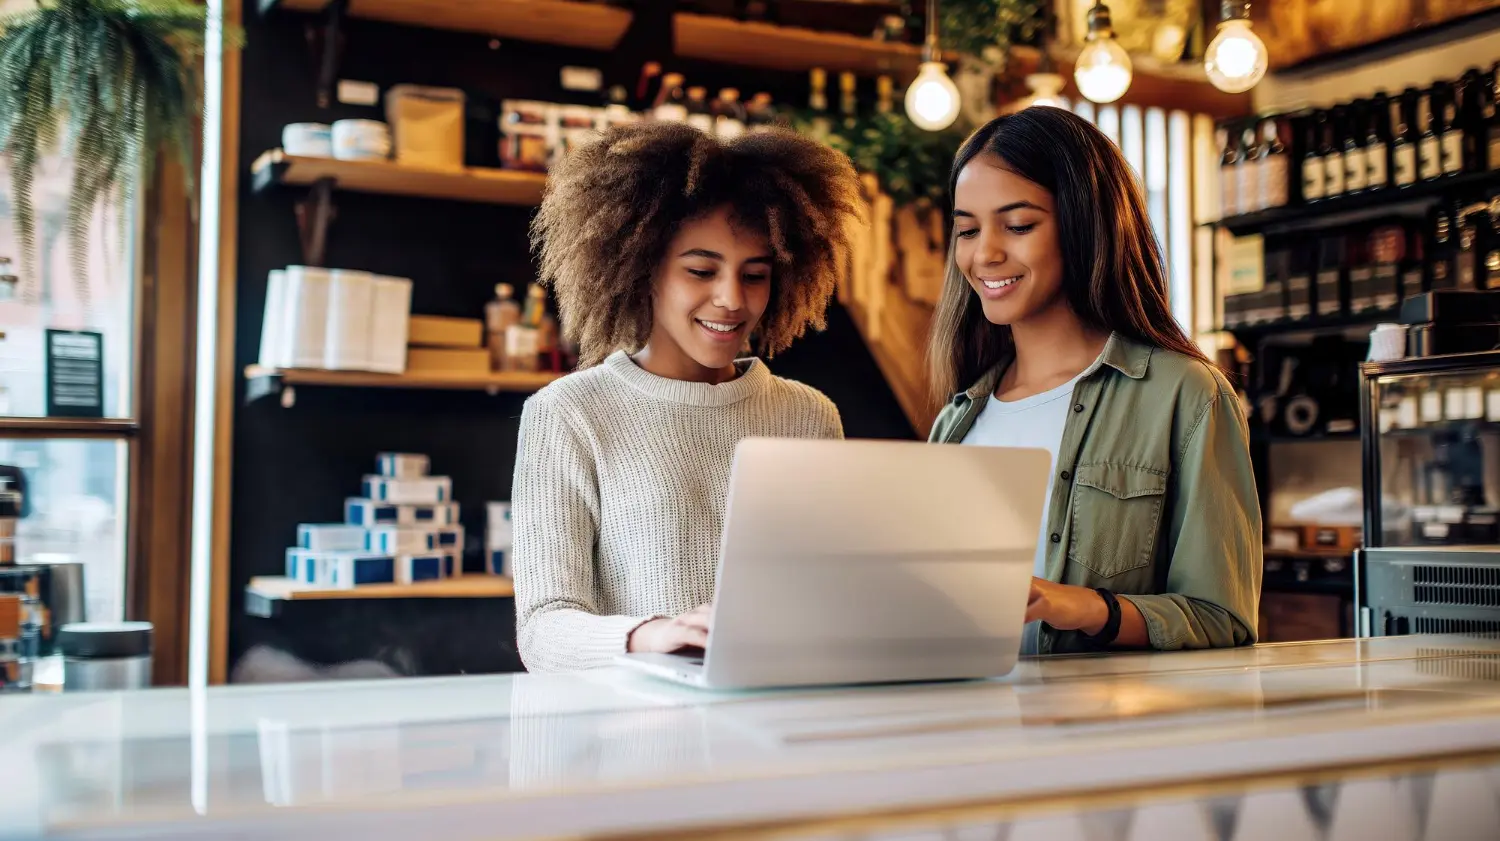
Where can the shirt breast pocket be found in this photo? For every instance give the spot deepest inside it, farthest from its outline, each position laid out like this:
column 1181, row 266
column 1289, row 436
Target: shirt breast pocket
column 1116, row 515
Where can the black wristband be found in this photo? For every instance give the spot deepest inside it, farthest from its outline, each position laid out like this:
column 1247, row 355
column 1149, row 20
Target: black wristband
column 1111, row 627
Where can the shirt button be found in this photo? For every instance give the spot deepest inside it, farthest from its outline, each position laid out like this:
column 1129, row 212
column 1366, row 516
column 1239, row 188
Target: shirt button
column 1078, row 407
column 1056, row 538
column 1066, row 475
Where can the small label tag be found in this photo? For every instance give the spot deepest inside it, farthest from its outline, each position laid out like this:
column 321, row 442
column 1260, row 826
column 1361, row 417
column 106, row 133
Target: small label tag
column 358, row 93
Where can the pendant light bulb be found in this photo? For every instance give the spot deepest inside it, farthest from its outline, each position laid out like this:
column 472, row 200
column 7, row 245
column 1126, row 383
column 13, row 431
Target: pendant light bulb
column 1103, row 70
column 1236, row 58
column 1046, row 89
column 932, row 99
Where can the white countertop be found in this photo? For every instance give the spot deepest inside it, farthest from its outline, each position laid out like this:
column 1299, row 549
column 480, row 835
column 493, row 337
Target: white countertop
column 520, row 756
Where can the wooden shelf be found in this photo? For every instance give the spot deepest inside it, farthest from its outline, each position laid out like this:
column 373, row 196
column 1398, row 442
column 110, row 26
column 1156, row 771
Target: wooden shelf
column 771, row 47
column 280, row 588
column 473, row 184
column 592, row 26
column 522, row 382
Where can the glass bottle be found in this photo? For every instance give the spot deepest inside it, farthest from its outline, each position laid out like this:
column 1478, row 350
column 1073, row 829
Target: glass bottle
column 729, row 115
column 1333, row 154
column 1448, row 128
column 1404, row 140
column 1490, row 115
column 671, row 102
column 1429, row 152
column 1229, row 180
column 884, row 93
column 1356, row 167
column 698, row 114
column 1312, row 160
column 817, row 102
column 1377, row 143
column 500, row 314
column 1247, row 194
column 1273, row 166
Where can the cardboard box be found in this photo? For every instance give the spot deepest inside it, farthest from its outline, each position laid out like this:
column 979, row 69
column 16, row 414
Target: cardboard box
column 450, row 361
column 428, row 490
column 424, row 567
column 400, row 539
column 331, row 537
column 371, row 512
column 438, row 331
column 402, row 465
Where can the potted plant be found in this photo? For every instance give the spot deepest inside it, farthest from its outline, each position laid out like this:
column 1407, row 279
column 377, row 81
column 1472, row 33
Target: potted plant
column 105, row 83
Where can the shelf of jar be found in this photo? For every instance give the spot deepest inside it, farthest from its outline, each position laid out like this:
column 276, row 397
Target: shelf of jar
column 593, row 26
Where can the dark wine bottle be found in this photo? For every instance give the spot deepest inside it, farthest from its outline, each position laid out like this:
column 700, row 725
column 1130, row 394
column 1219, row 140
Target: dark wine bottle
column 1229, row 179
column 1491, row 117
column 1448, row 128
column 1404, row 170
column 1333, row 154
column 1248, row 193
column 1377, row 143
column 1429, row 151
column 1312, row 159
column 1356, row 170
column 1274, row 169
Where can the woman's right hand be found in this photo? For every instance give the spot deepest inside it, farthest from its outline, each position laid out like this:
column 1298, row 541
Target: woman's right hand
column 666, row 635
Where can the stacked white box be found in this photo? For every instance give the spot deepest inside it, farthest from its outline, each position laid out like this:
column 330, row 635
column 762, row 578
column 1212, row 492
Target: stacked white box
column 369, row 512
column 404, row 529
column 498, row 537
column 402, row 465
column 426, row 490
column 331, row 537
column 429, row 566
column 400, row 539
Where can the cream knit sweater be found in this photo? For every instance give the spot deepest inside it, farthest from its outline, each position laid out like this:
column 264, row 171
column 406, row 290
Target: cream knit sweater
column 618, row 500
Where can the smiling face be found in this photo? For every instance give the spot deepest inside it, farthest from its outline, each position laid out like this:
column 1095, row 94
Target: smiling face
column 711, row 289
column 1006, row 242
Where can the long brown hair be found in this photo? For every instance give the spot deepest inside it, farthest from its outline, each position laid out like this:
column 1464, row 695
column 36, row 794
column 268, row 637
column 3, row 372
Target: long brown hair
column 1113, row 275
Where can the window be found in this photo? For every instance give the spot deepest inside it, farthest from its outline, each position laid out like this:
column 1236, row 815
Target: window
column 87, row 481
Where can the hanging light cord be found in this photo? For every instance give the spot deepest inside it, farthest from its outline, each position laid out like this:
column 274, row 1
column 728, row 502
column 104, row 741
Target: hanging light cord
column 931, row 51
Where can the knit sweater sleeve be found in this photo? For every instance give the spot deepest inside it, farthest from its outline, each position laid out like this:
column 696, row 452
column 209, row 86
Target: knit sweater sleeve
column 555, row 502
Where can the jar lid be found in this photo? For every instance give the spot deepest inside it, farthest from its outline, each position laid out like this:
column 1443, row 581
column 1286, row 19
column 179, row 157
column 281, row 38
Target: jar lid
column 104, row 639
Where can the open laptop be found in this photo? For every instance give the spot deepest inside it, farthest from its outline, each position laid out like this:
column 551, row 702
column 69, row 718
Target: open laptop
column 850, row 562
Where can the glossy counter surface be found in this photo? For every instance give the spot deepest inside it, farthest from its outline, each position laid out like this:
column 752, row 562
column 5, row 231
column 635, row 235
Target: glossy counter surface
column 613, row 753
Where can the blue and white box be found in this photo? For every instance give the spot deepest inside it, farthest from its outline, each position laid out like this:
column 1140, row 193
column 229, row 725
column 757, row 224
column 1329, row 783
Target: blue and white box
column 402, row 465
column 427, row 490
column 302, row 566
column 331, row 537
column 411, row 569
column 498, row 538
column 370, row 512
column 400, row 540
column 448, row 538
column 347, row 570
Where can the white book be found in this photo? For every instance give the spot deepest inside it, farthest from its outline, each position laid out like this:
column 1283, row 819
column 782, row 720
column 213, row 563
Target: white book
column 273, row 322
column 389, row 324
column 351, row 305
column 307, row 293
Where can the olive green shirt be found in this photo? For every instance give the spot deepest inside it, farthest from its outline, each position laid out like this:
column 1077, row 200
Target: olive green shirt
column 1155, row 496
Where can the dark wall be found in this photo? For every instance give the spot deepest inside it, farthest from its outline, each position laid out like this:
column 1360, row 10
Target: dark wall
column 296, row 465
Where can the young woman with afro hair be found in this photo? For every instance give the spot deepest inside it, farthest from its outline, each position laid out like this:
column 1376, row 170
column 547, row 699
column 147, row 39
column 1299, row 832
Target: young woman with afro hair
column 669, row 253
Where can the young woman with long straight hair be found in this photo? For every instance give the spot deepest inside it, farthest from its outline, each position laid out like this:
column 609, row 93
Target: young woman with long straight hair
column 1053, row 331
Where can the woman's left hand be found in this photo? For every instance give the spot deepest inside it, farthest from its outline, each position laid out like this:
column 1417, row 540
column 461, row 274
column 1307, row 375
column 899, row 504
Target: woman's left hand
column 1066, row 607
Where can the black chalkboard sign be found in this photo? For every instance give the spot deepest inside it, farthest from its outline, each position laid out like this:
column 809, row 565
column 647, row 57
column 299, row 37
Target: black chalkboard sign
column 75, row 374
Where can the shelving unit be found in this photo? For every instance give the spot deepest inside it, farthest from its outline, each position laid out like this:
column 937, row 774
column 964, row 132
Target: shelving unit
column 265, row 596
column 325, row 175
column 264, row 382
column 1353, row 208
column 471, row 184
column 592, row 26
column 772, row 47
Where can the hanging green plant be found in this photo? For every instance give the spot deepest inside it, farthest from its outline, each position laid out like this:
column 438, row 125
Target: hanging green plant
column 989, row 29
column 105, row 83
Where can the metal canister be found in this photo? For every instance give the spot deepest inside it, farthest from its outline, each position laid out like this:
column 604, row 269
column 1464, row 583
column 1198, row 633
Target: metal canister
column 105, row 655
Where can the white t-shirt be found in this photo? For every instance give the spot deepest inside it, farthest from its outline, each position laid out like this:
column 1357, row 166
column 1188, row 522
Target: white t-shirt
column 1035, row 421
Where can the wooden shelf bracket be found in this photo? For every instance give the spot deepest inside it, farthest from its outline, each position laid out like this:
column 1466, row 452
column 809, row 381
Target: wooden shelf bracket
column 325, row 40
column 315, row 212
